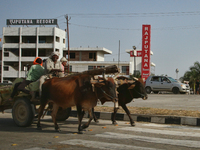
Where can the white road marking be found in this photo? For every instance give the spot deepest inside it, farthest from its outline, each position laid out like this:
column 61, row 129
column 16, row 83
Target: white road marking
column 171, row 126
column 103, row 145
column 164, row 132
column 38, row 148
column 187, row 143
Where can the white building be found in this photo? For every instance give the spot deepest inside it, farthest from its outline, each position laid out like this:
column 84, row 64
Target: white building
column 21, row 45
column 82, row 59
column 138, row 62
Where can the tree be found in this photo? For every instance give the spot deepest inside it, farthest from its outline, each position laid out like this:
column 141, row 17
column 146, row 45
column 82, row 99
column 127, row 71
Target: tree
column 193, row 74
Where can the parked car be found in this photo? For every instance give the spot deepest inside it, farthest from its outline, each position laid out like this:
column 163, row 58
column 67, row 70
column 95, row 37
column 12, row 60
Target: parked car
column 165, row 83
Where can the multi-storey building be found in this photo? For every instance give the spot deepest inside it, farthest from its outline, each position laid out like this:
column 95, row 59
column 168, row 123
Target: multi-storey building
column 21, row 45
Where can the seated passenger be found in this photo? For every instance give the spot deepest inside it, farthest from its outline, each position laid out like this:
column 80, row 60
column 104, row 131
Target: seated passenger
column 53, row 68
column 34, row 73
column 63, row 60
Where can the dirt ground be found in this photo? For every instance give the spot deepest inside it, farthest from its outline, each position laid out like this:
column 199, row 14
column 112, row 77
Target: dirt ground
column 149, row 111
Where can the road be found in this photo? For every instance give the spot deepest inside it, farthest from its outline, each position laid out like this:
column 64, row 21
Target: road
column 103, row 135
column 167, row 101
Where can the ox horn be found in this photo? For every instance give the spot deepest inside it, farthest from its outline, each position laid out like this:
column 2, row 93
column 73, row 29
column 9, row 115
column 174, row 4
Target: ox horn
column 115, row 76
column 135, row 78
column 103, row 74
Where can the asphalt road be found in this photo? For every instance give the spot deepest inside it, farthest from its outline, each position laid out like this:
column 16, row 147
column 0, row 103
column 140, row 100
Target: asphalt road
column 166, row 101
column 102, row 135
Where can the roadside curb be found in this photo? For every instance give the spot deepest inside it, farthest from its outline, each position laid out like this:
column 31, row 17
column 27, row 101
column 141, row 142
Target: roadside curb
column 192, row 121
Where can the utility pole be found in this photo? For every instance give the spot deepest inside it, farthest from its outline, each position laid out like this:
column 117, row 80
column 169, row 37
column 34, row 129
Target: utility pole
column 119, row 54
column 67, row 19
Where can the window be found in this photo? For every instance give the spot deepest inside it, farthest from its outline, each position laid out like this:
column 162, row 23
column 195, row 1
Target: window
column 92, row 56
column 6, row 68
column 156, row 79
column 28, row 52
column 72, row 55
column 66, row 68
column 64, row 41
column 6, row 54
column 100, row 67
column 91, row 67
column 125, row 70
column 57, row 39
column 28, row 39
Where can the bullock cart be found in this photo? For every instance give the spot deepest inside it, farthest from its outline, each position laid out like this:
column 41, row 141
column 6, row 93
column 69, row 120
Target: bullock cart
column 24, row 107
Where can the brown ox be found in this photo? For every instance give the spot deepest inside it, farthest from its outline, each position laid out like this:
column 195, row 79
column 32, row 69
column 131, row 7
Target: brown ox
column 126, row 93
column 76, row 91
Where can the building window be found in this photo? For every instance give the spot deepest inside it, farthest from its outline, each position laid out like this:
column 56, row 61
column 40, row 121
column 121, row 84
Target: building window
column 46, row 39
column 28, row 39
column 6, row 54
column 91, row 67
column 64, row 41
column 92, row 56
column 66, row 68
column 72, row 55
column 125, row 70
column 57, row 39
column 100, row 67
column 6, row 68
column 28, row 52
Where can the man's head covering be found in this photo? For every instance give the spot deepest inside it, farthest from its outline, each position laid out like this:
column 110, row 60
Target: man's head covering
column 38, row 61
column 63, row 59
column 55, row 53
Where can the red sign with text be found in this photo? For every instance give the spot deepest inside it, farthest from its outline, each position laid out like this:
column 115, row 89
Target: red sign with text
column 139, row 54
column 146, row 39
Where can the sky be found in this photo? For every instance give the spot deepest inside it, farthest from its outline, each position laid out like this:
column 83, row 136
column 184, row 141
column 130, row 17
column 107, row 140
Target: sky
column 175, row 26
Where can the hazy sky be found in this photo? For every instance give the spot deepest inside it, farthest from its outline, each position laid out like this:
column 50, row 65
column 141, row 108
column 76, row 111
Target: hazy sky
column 175, row 24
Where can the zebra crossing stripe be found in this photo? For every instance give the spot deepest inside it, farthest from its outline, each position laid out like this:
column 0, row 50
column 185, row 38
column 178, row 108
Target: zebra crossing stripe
column 171, row 126
column 38, row 148
column 164, row 132
column 186, row 143
column 103, row 145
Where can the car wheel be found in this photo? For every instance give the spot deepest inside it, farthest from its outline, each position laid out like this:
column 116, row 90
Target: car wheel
column 148, row 90
column 175, row 90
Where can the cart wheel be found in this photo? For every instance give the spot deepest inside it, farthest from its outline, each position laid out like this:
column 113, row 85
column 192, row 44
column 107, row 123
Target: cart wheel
column 23, row 112
column 63, row 114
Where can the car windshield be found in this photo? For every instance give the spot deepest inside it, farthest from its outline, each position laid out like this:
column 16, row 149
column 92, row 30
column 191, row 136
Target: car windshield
column 172, row 80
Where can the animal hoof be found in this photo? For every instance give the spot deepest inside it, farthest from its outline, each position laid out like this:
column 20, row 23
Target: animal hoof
column 39, row 128
column 80, row 132
column 58, row 130
column 97, row 121
column 133, row 124
column 115, row 123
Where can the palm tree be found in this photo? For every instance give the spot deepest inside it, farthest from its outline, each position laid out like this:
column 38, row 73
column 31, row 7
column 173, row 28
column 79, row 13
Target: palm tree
column 193, row 74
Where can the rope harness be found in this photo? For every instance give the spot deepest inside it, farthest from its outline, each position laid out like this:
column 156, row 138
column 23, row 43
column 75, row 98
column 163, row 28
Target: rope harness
column 142, row 95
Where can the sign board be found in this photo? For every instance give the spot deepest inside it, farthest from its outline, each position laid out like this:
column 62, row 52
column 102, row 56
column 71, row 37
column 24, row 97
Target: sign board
column 146, row 39
column 139, row 54
column 31, row 22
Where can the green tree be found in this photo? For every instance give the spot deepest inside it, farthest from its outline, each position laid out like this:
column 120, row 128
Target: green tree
column 193, row 74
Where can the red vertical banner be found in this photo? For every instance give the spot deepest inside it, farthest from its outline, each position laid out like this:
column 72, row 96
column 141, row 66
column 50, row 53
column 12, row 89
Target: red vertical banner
column 146, row 40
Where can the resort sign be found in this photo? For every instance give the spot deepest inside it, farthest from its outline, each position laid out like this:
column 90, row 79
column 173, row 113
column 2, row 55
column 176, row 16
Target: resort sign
column 31, row 22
